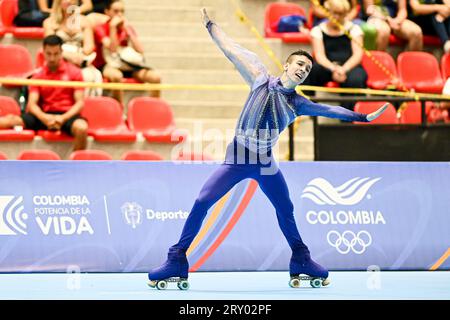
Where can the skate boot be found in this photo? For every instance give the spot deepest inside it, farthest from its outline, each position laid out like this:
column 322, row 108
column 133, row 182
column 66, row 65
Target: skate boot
column 175, row 269
column 302, row 267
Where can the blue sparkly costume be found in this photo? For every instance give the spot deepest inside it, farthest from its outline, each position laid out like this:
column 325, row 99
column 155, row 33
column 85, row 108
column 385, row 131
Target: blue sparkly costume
column 269, row 109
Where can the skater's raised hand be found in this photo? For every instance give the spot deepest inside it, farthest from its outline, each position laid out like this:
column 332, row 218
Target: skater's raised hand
column 372, row 116
column 205, row 17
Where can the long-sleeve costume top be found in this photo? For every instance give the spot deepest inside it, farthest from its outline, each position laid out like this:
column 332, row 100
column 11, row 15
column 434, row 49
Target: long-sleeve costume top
column 270, row 107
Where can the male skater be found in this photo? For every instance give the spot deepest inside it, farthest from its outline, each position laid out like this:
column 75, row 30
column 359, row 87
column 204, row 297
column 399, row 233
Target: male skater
column 271, row 106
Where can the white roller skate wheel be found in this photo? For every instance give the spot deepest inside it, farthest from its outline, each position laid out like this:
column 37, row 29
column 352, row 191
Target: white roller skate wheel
column 326, row 282
column 316, row 283
column 294, row 283
column 161, row 285
column 151, row 284
column 183, row 285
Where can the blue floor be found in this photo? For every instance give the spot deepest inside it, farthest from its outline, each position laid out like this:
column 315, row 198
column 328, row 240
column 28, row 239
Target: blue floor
column 227, row 286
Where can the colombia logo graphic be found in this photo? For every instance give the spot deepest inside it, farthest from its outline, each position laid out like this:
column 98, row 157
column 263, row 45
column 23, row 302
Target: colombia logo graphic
column 12, row 216
column 321, row 192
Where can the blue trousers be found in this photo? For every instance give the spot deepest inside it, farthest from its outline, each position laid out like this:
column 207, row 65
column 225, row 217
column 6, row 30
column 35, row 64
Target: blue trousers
column 223, row 179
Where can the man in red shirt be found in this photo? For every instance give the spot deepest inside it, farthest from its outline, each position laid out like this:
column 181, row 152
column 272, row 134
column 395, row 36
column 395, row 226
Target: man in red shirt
column 54, row 108
column 113, row 35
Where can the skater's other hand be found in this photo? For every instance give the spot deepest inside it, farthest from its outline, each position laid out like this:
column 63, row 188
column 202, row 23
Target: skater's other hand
column 372, row 116
column 205, row 17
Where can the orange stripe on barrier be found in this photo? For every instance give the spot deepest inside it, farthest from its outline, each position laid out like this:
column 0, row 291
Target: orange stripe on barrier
column 441, row 260
column 234, row 219
column 209, row 223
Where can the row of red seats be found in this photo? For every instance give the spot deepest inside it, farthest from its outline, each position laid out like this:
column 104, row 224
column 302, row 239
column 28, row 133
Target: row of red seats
column 274, row 11
column 431, row 78
column 151, row 117
column 132, row 155
column 412, row 114
column 8, row 11
column 15, row 61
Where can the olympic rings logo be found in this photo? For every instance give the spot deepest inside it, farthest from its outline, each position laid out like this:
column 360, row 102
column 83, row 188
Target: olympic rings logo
column 349, row 241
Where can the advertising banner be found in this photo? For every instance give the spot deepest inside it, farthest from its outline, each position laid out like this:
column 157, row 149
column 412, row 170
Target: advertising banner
column 119, row 216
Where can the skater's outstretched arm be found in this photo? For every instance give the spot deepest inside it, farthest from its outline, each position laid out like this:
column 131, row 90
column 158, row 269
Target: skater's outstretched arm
column 247, row 62
column 309, row 108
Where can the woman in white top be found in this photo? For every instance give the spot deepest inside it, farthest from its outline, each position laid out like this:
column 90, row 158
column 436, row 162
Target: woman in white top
column 79, row 48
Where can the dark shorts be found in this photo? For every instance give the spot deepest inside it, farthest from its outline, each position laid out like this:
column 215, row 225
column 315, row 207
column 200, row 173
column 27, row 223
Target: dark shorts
column 126, row 74
column 33, row 123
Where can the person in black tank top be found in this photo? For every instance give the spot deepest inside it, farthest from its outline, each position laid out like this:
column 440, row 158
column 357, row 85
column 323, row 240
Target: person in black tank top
column 337, row 58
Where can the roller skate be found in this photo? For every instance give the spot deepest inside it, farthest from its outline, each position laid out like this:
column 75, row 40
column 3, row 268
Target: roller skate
column 306, row 269
column 175, row 269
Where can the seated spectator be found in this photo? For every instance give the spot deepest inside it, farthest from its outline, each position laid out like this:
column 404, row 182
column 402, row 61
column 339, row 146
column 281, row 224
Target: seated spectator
column 54, row 108
column 117, row 42
column 337, row 57
column 32, row 13
column 78, row 36
column 355, row 15
column 434, row 18
column 391, row 16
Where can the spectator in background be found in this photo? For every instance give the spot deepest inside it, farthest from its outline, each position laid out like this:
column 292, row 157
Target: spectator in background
column 84, row 6
column 391, row 16
column 433, row 17
column 76, row 32
column 120, row 53
column 32, row 13
column 337, row 57
column 354, row 15
column 54, row 108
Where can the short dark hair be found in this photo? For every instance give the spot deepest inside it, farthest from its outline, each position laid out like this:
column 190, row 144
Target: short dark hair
column 300, row 53
column 110, row 3
column 53, row 40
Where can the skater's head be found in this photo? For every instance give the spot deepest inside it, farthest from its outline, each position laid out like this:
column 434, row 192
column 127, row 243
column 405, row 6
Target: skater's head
column 297, row 68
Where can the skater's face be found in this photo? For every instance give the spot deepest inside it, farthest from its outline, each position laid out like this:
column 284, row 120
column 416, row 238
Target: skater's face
column 298, row 68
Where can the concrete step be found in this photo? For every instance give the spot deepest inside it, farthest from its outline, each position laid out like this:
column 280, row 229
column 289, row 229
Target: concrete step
column 238, row 97
column 184, row 29
column 205, row 76
column 205, row 109
column 198, row 127
column 196, row 61
column 193, row 3
column 198, row 44
column 182, row 13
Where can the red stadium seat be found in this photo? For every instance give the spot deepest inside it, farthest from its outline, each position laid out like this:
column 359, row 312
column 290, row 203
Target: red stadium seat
column 377, row 77
column 412, row 114
column 141, row 155
column 38, row 155
column 104, row 117
column 15, row 61
column 274, row 11
column 51, row 135
column 90, row 155
column 153, row 117
column 40, row 59
column 388, row 117
column 419, row 71
column 445, row 66
column 9, row 106
column 8, row 10
column 192, row 156
column 3, row 156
